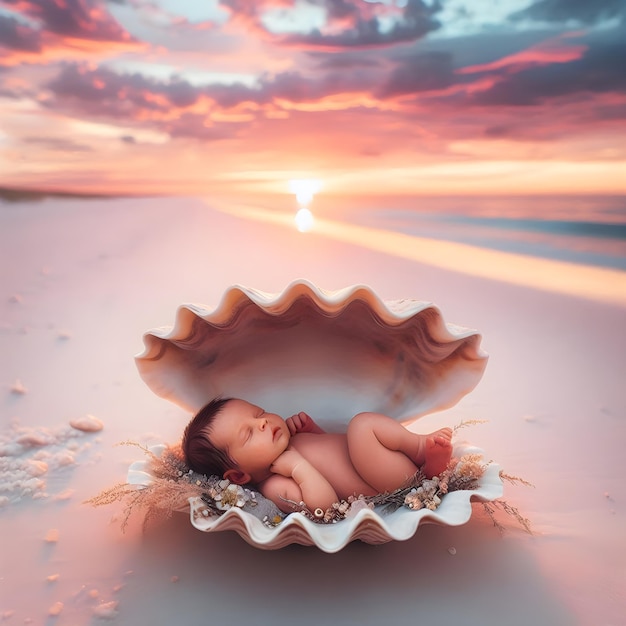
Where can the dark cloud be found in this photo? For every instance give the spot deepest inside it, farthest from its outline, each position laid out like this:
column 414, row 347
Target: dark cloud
column 289, row 86
column 600, row 70
column 16, row 35
column 608, row 111
column 109, row 93
column 416, row 21
column 81, row 19
column 100, row 92
column 344, row 60
column 562, row 11
column 498, row 131
column 355, row 23
column 194, row 126
column 417, row 73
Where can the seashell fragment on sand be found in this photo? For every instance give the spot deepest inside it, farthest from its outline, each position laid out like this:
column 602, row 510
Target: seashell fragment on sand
column 88, row 424
column 52, row 536
column 55, row 609
column 106, row 610
column 18, row 388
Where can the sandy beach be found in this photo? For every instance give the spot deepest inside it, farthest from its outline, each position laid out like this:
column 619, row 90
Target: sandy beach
column 82, row 280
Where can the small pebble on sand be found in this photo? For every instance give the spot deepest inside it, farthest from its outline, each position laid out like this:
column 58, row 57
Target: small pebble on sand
column 18, row 388
column 88, row 424
column 52, row 536
column 55, row 609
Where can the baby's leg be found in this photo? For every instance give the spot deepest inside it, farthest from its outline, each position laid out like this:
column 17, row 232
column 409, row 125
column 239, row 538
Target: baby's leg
column 386, row 454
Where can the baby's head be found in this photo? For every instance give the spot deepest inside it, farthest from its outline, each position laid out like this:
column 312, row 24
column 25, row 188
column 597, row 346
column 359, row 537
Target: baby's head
column 234, row 439
column 200, row 453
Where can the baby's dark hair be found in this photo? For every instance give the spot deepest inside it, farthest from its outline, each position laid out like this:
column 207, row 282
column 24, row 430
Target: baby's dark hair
column 200, row 453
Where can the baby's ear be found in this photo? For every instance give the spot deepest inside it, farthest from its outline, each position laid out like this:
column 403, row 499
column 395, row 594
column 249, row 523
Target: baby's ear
column 237, row 476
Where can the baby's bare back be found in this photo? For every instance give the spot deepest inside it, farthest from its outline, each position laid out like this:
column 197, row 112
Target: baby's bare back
column 329, row 455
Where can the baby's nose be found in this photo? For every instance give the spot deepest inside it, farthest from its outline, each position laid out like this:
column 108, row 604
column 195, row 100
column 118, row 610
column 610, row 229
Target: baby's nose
column 263, row 423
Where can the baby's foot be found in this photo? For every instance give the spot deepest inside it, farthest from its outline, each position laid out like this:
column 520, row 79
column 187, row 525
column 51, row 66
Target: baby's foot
column 420, row 457
column 446, row 433
column 437, row 451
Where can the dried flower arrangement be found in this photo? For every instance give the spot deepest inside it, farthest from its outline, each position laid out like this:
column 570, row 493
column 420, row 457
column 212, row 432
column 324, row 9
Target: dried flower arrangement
column 174, row 483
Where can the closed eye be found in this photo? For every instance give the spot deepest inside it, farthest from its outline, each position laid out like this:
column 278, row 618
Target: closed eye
column 246, row 433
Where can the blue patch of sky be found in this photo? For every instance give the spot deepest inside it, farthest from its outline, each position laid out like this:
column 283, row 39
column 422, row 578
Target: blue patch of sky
column 459, row 18
column 164, row 72
column 301, row 19
column 23, row 19
column 195, row 11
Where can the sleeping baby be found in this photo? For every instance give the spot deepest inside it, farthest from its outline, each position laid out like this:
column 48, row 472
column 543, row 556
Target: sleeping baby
column 294, row 460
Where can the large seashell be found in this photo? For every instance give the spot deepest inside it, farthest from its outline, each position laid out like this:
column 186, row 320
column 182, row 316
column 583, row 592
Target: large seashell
column 331, row 354
column 369, row 526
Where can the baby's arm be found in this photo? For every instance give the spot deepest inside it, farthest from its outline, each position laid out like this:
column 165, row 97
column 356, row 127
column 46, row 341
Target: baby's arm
column 295, row 479
column 303, row 423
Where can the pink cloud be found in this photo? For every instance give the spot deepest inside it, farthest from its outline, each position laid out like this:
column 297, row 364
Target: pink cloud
column 52, row 29
column 542, row 54
column 76, row 19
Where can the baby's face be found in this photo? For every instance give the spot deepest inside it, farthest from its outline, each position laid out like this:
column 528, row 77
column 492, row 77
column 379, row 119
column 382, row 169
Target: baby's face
column 253, row 438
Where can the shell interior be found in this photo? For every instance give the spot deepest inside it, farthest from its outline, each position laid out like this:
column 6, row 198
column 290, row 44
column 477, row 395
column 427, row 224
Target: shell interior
column 331, row 354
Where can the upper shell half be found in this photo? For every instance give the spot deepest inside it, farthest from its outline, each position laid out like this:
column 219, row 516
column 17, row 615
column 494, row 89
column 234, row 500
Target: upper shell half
column 331, row 354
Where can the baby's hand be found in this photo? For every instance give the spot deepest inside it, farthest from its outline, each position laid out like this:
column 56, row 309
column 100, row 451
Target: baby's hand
column 302, row 423
column 287, row 462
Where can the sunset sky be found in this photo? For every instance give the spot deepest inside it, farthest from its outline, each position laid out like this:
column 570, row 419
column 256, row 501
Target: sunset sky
column 389, row 97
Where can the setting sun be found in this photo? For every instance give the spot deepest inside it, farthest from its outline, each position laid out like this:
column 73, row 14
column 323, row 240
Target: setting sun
column 304, row 190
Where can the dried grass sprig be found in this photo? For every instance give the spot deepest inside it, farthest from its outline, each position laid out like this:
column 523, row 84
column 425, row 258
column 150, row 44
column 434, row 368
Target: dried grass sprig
column 171, row 487
column 490, row 509
column 465, row 423
column 514, row 480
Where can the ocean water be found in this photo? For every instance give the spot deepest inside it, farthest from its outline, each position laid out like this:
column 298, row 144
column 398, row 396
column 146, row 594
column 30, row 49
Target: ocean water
column 579, row 229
